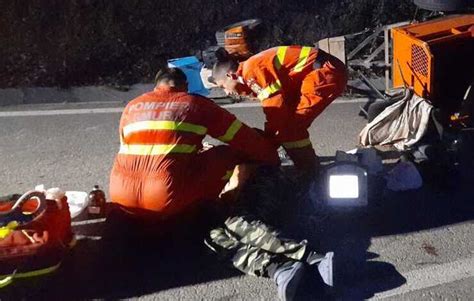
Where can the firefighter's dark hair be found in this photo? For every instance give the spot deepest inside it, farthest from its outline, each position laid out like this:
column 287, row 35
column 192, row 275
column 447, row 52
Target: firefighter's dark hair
column 170, row 76
column 225, row 64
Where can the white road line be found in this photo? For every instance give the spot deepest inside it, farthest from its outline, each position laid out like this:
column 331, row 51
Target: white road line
column 416, row 280
column 60, row 112
column 354, row 100
column 257, row 104
column 120, row 109
column 88, row 222
column 241, row 105
column 432, row 276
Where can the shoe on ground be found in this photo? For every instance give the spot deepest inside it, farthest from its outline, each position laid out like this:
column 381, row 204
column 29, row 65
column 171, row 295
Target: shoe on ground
column 288, row 279
column 325, row 269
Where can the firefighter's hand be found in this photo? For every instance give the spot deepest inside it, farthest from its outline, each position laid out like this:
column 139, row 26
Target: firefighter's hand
column 242, row 173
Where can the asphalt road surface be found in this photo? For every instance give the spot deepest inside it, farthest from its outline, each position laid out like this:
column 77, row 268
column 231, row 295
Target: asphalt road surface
column 403, row 246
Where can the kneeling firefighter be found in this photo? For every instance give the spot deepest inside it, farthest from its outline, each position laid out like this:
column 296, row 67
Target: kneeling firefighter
column 160, row 167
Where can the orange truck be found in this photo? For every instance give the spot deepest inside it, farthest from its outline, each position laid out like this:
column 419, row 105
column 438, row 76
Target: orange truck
column 436, row 58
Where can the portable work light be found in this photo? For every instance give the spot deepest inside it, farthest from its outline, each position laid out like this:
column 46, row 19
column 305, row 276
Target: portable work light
column 346, row 184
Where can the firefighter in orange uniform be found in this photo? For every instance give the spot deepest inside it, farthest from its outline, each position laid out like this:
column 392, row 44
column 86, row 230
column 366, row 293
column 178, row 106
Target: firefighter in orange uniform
column 294, row 84
column 160, row 166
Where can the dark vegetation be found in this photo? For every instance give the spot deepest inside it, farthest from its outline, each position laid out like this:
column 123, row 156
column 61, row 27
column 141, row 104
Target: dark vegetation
column 84, row 42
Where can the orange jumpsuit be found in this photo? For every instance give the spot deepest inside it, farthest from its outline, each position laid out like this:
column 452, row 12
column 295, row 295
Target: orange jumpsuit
column 160, row 167
column 295, row 84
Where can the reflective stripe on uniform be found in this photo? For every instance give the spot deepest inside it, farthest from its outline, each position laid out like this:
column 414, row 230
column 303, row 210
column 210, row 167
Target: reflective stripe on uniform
column 38, row 272
column 164, row 125
column 231, row 131
column 268, row 91
column 297, row 144
column 8, row 279
column 280, row 57
column 155, row 149
column 304, row 55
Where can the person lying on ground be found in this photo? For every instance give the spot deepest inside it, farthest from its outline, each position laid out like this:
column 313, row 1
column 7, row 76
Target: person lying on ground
column 256, row 237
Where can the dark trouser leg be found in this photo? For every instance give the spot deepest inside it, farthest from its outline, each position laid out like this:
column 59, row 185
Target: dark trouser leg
column 305, row 158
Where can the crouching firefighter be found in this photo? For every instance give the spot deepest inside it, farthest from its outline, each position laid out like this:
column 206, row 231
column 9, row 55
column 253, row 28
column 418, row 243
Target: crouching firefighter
column 294, row 84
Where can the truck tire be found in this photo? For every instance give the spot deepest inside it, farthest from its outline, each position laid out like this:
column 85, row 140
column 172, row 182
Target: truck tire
column 443, row 5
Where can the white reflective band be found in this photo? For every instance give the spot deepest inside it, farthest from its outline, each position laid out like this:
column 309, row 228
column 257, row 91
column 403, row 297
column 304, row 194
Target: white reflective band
column 155, row 149
column 231, row 131
column 268, row 91
column 304, row 54
column 280, row 57
column 164, row 125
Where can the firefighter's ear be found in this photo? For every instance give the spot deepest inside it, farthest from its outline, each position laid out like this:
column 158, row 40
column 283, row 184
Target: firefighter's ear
column 232, row 76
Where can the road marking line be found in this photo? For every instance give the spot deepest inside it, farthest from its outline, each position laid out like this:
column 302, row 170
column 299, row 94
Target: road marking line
column 257, row 104
column 119, row 110
column 432, row 276
column 417, row 279
column 60, row 112
column 241, row 105
column 88, row 222
column 355, row 100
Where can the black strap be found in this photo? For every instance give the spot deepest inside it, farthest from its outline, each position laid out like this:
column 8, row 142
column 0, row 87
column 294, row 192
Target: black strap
column 437, row 123
column 321, row 58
